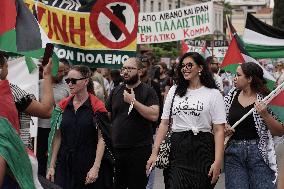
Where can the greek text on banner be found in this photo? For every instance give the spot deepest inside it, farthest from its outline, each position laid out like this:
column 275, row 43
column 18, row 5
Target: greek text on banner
column 178, row 24
column 103, row 31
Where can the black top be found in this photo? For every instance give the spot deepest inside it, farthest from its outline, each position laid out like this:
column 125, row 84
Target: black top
column 246, row 130
column 163, row 83
column 130, row 130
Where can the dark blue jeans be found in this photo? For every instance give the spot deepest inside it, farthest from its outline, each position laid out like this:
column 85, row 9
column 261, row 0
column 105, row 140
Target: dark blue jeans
column 245, row 167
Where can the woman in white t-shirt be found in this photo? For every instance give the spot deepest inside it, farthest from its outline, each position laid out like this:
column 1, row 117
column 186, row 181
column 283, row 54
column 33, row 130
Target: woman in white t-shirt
column 198, row 111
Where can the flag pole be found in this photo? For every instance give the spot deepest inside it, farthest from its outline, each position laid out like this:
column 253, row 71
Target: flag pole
column 266, row 100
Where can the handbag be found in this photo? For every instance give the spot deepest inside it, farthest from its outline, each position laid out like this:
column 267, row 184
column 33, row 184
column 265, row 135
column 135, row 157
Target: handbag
column 163, row 161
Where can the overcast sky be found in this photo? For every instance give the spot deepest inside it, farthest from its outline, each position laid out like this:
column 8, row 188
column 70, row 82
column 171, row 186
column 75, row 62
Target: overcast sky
column 271, row 3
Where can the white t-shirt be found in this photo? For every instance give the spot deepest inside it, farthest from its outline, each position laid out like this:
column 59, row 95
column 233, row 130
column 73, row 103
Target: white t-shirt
column 198, row 110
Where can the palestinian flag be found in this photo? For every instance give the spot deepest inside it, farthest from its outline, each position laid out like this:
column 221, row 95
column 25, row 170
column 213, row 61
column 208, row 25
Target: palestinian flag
column 20, row 33
column 262, row 40
column 202, row 50
column 236, row 55
column 184, row 47
column 12, row 149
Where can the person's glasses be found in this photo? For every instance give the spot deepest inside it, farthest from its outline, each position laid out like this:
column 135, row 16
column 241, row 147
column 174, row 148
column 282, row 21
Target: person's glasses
column 279, row 65
column 73, row 80
column 188, row 65
column 128, row 69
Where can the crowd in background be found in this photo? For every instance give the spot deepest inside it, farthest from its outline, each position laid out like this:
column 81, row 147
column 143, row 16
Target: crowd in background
column 85, row 96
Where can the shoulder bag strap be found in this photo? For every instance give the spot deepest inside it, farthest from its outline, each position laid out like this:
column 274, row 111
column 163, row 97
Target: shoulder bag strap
column 170, row 117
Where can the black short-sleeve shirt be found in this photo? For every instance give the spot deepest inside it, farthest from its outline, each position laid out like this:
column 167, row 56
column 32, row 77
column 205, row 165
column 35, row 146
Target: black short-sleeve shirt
column 130, row 130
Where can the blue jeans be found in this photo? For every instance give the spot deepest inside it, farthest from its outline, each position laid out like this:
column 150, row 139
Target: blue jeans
column 151, row 179
column 245, row 167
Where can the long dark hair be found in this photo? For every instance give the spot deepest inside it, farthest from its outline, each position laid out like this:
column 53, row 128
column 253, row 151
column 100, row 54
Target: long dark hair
column 206, row 77
column 258, row 83
column 86, row 73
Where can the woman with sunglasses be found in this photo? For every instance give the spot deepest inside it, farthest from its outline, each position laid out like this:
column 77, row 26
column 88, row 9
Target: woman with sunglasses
column 250, row 161
column 198, row 119
column 78, row 136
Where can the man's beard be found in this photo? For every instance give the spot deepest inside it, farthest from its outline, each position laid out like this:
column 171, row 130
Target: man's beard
column 132, row 80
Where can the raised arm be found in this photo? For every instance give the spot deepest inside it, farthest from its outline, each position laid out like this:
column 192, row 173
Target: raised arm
column 44, row 108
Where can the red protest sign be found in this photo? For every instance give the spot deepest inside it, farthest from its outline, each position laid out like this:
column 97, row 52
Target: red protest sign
column 117, row 21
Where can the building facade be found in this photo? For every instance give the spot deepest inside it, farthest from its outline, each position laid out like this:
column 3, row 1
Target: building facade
column 259, row 8
column 252, row 6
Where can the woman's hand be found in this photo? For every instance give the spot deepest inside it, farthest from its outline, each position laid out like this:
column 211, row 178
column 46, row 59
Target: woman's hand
column 228, row 130
column 50, row 174
column 151, row 163
column 92, row 175
column 261, row 109
column 215, row 171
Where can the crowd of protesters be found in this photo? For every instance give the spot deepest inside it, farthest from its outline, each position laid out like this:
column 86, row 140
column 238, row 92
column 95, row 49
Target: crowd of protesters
column 104, row 122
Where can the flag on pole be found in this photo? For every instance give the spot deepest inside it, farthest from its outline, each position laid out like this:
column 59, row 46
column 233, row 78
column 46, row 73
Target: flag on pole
column 262, row 40
column 236, row 55
column 20, row 33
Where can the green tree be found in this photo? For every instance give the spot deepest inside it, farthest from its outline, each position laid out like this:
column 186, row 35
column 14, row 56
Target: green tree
column 169, row 49
column 278, row 14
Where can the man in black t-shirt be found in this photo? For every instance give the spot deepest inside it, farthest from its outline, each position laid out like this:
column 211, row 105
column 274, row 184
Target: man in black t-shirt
column 133, row 106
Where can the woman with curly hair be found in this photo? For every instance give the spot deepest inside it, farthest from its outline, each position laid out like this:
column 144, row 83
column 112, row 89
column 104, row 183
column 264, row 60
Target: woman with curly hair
column 250, row 160
column 198, row 119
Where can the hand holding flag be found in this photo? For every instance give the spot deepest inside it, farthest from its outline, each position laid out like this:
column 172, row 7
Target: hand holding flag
column 259, row 105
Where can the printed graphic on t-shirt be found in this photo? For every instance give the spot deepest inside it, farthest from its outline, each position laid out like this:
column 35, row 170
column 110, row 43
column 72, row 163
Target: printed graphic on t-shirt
column 188, row 108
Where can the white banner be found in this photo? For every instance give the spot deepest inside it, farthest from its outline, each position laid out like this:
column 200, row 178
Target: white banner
column 20, row 76
column 218, row 47
column 174, row 25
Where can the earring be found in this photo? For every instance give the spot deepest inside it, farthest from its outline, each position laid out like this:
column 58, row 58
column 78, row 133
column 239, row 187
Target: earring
column 199, row 73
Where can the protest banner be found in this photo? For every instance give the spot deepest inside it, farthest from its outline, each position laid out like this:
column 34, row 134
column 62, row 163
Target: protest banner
column 94, row 33
column 218, row 47
column 174, row 25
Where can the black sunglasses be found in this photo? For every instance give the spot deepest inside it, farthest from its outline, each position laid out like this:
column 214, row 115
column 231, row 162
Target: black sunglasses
column 73, row 80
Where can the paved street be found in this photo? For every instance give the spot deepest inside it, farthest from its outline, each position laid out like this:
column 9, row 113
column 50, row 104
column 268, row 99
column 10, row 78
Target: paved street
column 159, row 181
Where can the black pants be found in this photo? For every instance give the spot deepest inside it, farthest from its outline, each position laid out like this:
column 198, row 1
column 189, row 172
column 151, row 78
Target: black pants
column 130, row 167
column 42, row 147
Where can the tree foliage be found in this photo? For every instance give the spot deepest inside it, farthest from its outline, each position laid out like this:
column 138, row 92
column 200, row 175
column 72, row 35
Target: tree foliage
column 169, row 49
column 278, row 14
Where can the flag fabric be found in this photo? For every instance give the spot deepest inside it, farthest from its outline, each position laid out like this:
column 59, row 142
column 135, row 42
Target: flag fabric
column 12, row 149
column 8, row 107
column 184, row 47
column 236, row 55
column 262, row 40
column 20, row 33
